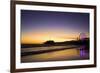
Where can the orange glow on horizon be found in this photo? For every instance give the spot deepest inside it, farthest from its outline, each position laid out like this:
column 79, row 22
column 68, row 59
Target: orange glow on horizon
column 36, row 38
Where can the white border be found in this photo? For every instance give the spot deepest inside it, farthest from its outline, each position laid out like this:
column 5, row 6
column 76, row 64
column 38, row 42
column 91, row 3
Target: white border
column 20, row 65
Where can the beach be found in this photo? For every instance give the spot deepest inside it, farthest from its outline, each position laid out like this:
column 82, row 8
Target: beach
column 53, row 53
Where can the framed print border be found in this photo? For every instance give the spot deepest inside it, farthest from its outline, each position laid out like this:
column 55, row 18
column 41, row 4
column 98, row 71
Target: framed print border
column 13, row 35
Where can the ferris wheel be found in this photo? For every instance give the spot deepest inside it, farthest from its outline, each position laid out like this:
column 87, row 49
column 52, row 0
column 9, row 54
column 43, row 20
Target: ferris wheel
column 82, row 36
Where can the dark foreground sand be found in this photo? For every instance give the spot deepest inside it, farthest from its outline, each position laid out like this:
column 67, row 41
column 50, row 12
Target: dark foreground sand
column 56, row 55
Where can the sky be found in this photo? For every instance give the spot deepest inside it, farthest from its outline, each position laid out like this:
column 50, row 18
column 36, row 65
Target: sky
column 41, row 26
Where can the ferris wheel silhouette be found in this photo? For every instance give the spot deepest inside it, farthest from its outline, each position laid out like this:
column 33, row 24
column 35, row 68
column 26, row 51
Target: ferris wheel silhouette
column 82, row 36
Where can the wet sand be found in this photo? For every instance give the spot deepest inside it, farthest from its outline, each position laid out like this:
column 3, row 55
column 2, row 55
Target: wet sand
column 60, row 55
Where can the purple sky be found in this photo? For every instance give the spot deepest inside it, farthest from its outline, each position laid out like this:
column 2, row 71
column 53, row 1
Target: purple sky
column 51, row 21
column 47, row 20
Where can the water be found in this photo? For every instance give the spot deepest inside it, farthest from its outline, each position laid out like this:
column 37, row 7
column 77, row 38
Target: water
column 45, row 48
column 70, row 52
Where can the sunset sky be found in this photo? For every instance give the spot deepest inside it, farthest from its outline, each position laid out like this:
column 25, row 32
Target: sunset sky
column 40, row 26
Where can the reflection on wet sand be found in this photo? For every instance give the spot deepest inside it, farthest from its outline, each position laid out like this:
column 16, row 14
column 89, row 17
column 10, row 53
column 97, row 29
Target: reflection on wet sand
column 66, row 54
